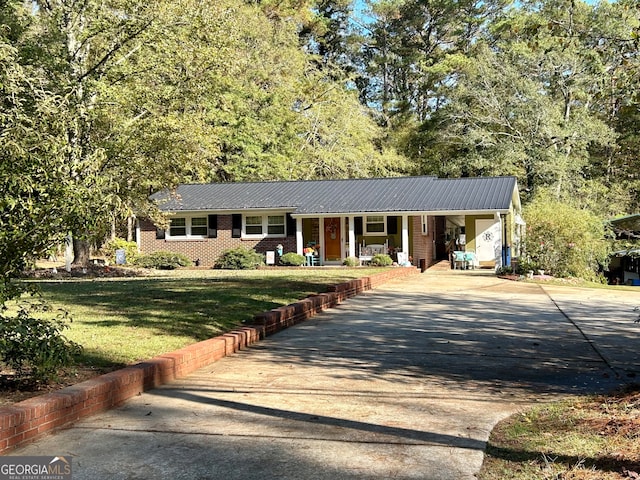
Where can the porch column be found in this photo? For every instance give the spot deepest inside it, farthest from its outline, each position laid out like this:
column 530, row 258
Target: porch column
column 321, row 238
column 405, row 234
column 299, row 239
column 352, row 237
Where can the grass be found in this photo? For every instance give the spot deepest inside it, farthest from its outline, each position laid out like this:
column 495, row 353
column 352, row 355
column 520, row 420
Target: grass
column 123, row 321
column 580, row 283
column 586, row 438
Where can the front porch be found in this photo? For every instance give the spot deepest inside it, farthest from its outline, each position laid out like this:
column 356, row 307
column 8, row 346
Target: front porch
column 335, row 238
column 421, row 239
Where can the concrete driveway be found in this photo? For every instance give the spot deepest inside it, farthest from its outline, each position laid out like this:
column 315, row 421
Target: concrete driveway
column 403, row 382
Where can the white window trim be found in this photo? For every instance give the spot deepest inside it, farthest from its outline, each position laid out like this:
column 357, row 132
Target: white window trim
column 265, row 225
column 188, row 226
column 374, row 234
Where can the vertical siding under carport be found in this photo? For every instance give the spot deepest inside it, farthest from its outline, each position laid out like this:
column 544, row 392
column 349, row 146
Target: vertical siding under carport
column 470, row 228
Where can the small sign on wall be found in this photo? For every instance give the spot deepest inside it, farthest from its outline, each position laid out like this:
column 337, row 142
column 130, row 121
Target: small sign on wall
column 271, row 258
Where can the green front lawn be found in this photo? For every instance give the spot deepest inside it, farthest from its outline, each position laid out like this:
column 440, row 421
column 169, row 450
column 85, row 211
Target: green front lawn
column 584, row 438
column 123, row 321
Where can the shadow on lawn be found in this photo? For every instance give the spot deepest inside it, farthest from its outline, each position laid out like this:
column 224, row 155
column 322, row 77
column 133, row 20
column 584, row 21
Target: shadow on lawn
column 195, row 308
column 485, row 339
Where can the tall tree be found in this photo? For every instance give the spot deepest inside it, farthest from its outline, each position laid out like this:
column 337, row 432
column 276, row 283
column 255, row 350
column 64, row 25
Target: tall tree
column 330, row 34
column 74, row 45
column 615, row 37
column 154, row 95
column 409, row 40
column 34, row 188
column 525, row 104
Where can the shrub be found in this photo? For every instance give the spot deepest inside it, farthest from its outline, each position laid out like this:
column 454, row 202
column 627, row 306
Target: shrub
column 240, row 259
column 505, row 271
column 525, row 265
column 35, row 347
column 130, row 249
column 564, row 240
column 292, row 259
column 381, row 260
column 351, row 262
column 163, row 260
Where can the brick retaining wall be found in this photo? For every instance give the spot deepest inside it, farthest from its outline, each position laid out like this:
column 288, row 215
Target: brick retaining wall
column 25, row 421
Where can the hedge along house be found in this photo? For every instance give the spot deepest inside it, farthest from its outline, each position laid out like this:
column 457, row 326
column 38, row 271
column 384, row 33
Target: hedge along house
column 423, row 218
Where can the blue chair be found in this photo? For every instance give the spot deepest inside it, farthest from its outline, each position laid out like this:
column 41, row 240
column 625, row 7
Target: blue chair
column 470, row 260
column 458, row 260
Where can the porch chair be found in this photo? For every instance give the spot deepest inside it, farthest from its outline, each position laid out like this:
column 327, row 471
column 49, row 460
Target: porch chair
column 470, row 260
column 312, row 255
column 458, row 260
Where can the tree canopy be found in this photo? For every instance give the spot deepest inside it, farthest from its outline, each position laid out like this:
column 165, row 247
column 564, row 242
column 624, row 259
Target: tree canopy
column 545, row 90
column 147, row 96
column 105, row 101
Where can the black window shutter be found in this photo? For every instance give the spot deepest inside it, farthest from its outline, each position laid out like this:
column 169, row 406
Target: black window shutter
column 392, row 225
column 357, row 225
column 236, row 225
column 213, row 226
column 160, row 234
column 291, row 225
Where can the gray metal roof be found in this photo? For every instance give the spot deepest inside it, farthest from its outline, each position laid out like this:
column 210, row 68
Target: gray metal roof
column 396, row 194
column 630, row 222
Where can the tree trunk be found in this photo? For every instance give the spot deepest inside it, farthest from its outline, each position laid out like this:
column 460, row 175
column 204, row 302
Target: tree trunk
column 81, row 252
column 114, row 232
column 130, row 227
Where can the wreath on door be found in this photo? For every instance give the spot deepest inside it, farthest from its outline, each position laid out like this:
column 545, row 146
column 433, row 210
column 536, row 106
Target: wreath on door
column 331, row 227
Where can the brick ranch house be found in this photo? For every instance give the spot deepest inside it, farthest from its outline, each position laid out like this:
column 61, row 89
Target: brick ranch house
column 422, row 217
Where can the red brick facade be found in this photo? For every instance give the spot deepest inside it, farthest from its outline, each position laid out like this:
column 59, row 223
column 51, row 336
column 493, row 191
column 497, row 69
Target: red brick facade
column 208, row 250
column 422, row 244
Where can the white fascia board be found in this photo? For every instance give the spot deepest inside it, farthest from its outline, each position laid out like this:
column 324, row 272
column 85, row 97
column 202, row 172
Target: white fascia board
column 517, row 202
column 228, row 212
column 400, row 213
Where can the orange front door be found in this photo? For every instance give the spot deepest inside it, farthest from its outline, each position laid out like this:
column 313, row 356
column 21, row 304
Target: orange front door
column 332, row 239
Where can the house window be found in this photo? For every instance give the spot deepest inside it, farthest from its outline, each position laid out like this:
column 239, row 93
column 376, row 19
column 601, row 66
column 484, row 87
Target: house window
column 425, row 225
column 188, row 227
column 199, row 226
column 253, row 225
column 265, row 226
column 275, row 225
column 178, row 227
column 375, row 224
